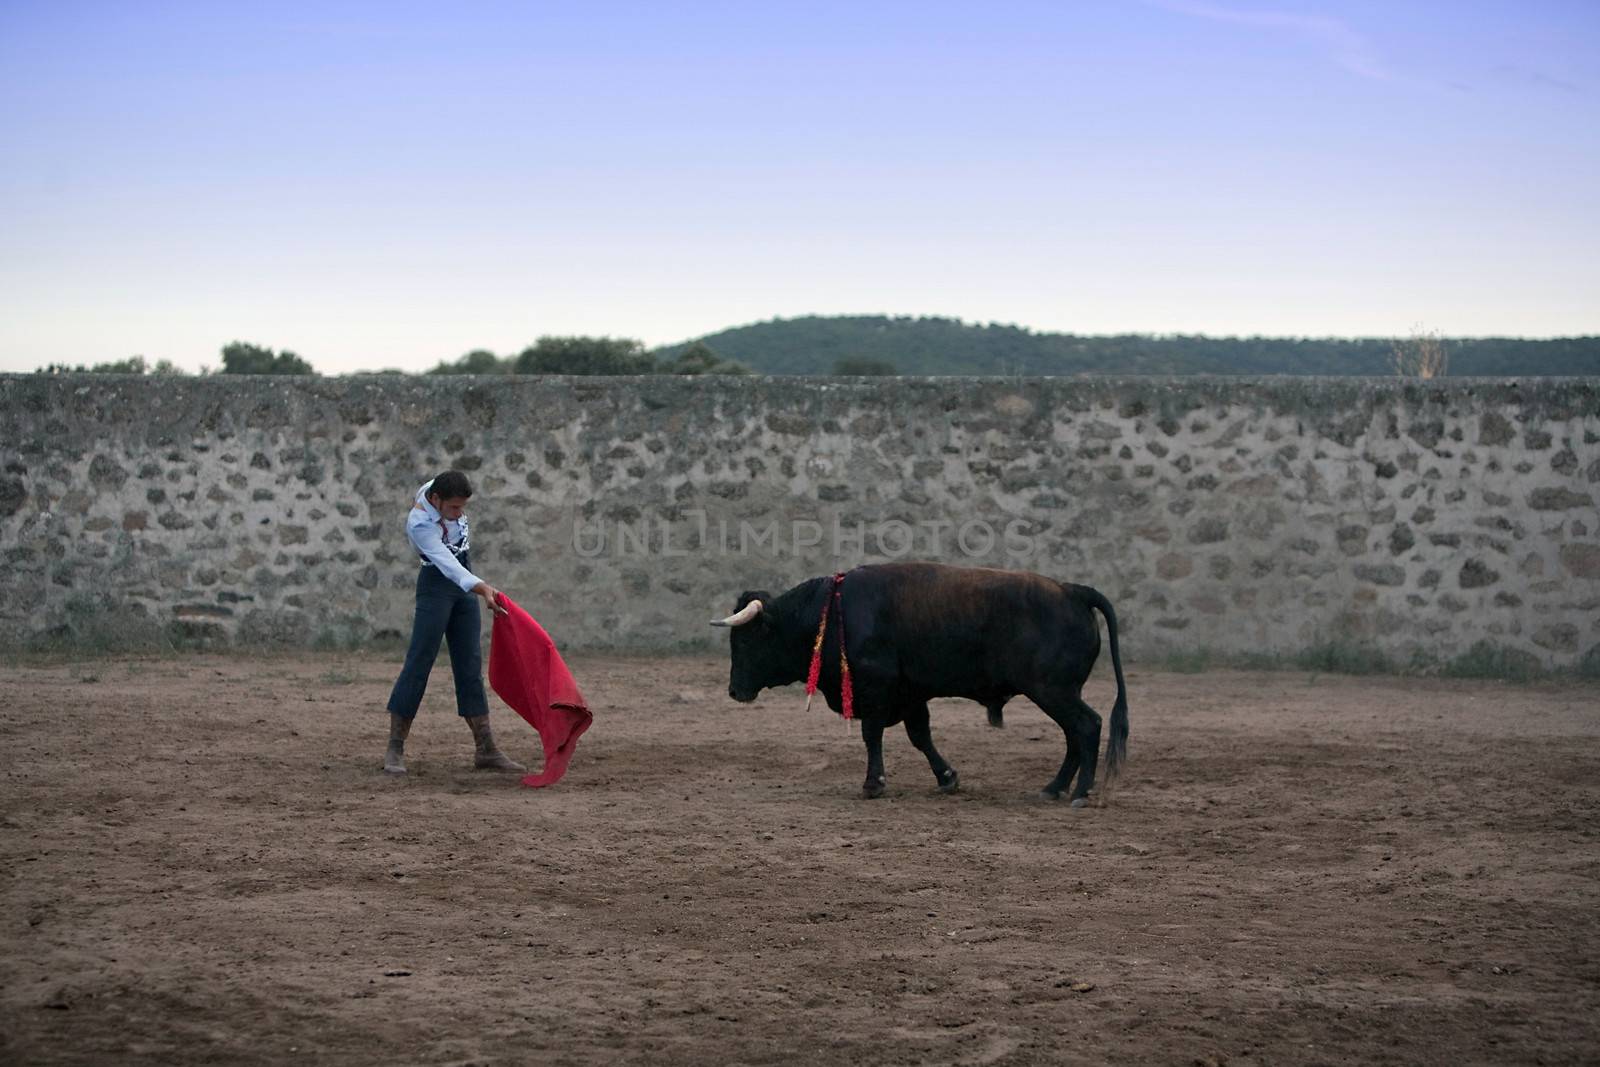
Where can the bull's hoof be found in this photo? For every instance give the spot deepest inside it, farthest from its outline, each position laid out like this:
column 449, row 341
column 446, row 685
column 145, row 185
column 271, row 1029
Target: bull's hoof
column 873, row 789
column 1079, row 802
column 951, row 783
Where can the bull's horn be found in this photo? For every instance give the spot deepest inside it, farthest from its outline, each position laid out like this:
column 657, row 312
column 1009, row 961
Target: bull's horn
column 739, row 618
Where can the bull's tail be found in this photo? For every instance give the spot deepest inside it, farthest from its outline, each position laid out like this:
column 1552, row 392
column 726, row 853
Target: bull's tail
column 1117, row 744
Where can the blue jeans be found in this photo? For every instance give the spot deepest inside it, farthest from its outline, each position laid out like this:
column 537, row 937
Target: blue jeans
column 445, row 611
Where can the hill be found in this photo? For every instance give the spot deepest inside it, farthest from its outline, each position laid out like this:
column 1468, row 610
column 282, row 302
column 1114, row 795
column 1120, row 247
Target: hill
column 931, row 345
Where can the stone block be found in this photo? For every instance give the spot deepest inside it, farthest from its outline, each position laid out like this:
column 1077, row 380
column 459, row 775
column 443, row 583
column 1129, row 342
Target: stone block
column 1582, row 560
column 1208, row 530
column 1475, row 574
column 1352, row 540
column 1173, row 565
column 1381, row 573
column 1558, row 499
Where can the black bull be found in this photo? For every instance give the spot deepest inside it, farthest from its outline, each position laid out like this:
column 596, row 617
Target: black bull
column 915, row 631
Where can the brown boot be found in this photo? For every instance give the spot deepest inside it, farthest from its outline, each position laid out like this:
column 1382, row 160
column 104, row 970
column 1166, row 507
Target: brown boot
column 486, row 754
column 394, row 757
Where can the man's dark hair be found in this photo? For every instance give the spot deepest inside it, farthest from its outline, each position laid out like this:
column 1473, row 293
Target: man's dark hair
column 451, row 485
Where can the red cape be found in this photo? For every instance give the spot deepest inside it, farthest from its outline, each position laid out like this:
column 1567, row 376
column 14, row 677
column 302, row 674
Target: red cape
column 526, row 671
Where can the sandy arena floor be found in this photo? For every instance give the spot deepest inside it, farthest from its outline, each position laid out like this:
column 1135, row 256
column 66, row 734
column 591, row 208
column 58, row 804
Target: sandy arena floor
column 201, row 863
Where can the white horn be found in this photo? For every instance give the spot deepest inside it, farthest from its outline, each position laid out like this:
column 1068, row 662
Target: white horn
column 739, row 618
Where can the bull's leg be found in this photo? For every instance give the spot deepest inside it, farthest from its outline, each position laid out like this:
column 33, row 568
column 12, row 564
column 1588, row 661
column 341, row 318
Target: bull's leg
column 921, row 735
column 872, row 734
column 1087, row 723
column 1081, row 725
column 1063, row 778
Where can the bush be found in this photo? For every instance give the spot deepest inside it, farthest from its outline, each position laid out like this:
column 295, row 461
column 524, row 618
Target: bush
column 1488, row 660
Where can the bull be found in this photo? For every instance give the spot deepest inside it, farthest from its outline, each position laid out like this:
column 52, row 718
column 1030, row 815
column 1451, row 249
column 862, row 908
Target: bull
column 915, row 631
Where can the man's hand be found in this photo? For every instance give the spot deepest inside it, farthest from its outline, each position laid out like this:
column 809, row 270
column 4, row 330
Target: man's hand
column 491, row 597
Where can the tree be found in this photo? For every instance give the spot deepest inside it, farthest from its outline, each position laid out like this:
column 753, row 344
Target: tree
column 131, row 365
column 478, row 361
column 585, row 355
column 238, row 357
column 1422, row 355
column 701, row 358
column 859, row 365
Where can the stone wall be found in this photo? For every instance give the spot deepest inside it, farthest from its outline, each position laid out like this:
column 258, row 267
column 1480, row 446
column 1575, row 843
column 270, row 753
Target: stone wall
column 1228, row 515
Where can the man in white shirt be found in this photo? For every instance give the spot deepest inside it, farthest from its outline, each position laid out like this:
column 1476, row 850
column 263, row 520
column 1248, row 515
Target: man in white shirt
column 437, row 529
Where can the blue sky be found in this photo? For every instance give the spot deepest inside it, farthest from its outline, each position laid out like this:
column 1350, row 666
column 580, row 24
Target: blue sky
column 392, row 184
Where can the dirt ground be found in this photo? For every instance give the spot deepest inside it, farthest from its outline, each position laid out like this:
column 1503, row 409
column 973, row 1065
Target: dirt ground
column 203, row 864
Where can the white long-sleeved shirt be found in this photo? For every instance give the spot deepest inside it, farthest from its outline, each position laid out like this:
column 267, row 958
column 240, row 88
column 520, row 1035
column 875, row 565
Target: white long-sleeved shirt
column 439, row 541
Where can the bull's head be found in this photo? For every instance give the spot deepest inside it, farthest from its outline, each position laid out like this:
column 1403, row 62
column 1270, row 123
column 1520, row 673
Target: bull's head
column 759, row 659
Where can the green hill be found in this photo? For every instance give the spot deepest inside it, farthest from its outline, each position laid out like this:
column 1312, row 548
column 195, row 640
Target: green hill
column 815, row 344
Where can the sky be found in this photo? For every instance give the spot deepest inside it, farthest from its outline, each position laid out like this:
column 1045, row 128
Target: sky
column 389, row 185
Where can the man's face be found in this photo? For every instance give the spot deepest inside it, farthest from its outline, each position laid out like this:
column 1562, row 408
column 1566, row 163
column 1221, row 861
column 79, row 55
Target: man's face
column 451, row 509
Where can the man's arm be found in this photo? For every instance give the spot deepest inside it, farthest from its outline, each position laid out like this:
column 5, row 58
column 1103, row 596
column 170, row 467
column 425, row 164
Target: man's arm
column 491, row 597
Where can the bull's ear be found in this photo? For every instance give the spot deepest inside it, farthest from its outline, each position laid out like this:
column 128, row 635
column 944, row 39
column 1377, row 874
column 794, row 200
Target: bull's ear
column 763, row 619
